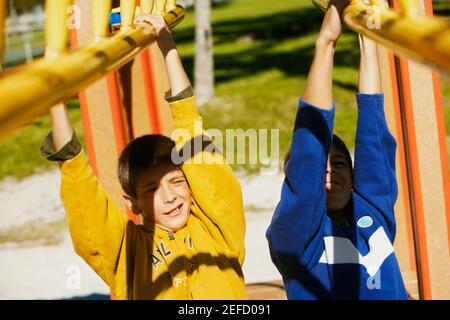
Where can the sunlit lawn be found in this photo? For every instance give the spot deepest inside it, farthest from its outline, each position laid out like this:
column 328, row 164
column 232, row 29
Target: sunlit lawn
column 262, row 54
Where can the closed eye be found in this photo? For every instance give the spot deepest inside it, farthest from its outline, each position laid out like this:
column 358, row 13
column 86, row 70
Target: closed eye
column 339, row 164
column 178, row 181
column 152, row 189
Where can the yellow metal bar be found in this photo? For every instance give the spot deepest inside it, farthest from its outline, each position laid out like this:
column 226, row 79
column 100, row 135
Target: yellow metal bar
column 422, row 38
column 56, row 29
column 159, row 7
column 409, row 7
column 2, row 33
column 147, row 6
column 48, row 82
column 127, row 11
column 170, row 4
column 101, row 10
column 380, row 3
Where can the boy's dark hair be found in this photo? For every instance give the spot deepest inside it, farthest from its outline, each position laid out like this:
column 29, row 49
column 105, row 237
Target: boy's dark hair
column 338, row 143
column 139, row 155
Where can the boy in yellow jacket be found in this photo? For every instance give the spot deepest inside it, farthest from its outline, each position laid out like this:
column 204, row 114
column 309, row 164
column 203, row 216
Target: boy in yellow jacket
column 191, row 242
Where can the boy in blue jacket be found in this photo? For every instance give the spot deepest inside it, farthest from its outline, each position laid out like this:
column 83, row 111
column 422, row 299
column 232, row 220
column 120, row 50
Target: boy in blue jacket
column 332, row 232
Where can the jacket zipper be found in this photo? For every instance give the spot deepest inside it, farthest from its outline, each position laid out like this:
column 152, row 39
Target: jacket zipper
column 172, row 238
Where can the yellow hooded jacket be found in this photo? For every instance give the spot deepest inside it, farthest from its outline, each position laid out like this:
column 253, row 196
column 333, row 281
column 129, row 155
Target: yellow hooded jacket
column 201, row 261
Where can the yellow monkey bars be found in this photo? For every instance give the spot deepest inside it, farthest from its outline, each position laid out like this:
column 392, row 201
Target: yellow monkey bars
column 32, row 90
column 406, row 32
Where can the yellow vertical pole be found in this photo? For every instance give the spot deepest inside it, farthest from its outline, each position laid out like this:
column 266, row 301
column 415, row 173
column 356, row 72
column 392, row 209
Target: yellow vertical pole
column 2, row 34
column 100, row 17
column 147, row 6
column 409, row 7
column 170, row 5
column 160, row 7
column 382, row 4
column 127, row 10
column 56, row 29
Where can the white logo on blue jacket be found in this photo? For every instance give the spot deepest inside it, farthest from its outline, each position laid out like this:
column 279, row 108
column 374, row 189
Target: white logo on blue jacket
column 340, row 250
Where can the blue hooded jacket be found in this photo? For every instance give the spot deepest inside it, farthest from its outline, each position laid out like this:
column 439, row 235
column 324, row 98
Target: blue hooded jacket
column 317, row 258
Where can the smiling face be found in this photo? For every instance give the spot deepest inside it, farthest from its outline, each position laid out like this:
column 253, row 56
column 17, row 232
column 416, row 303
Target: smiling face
column 338, row 180
column 162, row 196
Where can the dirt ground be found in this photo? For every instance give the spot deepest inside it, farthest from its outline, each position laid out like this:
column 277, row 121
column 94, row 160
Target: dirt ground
column 37, row 260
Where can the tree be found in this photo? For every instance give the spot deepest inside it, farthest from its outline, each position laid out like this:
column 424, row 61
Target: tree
column 25, row 5
column 204, row 61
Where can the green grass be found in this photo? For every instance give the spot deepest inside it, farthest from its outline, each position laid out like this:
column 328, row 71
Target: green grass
column 262, row 55
column 16, row 40
column 261, row 64
column 15, row 54
column 441, row 7
column 20, row 153
column 446, row 101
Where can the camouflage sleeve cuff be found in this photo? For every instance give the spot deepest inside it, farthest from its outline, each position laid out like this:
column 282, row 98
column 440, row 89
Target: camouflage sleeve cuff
column 186, row 93
column 70, row 150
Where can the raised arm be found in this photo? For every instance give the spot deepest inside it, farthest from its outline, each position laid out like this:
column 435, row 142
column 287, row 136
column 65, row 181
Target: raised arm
column 215, row 189
column 96, row 225
column 318, row 87
column 175, row 71
column 369, row 68
column 375, row 147
column 295, row 232
column 62, row 130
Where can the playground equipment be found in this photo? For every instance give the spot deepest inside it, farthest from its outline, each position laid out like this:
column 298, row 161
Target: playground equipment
column 121, row 81
column 403, row 29
column 414, row 112
column 128, row 102
column 119, row 76
column 63, row 74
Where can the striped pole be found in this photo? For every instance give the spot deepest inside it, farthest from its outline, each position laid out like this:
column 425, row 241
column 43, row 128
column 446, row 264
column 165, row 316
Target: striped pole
column 56, row 29
column 127, row 11
column 100, row 17
column 147, row 6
